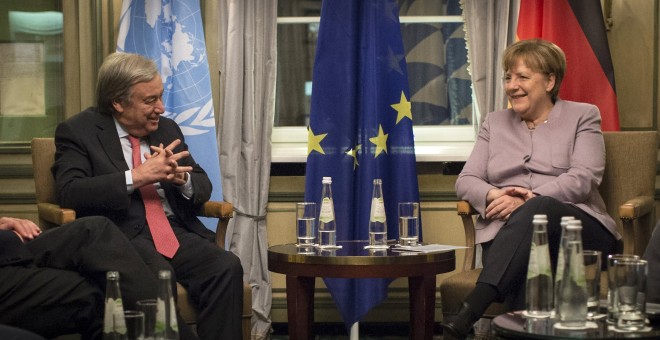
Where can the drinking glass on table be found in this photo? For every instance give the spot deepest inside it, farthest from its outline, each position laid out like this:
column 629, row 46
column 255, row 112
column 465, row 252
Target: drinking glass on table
column 134, row 325
column 592, row 265
column 612, row 309
column 408, row 223
column 631, row 294
column 149, row 308
column 306, row 223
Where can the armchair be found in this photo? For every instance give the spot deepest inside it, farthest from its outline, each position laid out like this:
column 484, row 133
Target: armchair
column 628, row 189
column 52, row 215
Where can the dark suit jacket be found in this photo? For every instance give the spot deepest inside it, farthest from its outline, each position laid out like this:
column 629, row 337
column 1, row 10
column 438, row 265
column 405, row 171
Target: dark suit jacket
column 89, row 174
column 652, row 255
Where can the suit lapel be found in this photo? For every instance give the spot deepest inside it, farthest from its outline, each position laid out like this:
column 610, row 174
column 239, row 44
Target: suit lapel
column 110, row 142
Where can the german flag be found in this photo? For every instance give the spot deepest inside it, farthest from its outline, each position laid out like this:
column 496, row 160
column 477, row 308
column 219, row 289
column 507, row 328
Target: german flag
column 577, row 26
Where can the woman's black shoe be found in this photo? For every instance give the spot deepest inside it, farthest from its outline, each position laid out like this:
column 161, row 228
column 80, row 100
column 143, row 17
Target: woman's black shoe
column 459, row 326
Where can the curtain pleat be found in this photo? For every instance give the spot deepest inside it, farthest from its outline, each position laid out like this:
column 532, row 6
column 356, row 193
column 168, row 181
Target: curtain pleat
column 247, row 65
column 490, row 28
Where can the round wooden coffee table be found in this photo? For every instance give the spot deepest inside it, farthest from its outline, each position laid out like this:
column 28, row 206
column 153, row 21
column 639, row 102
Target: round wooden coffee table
column 353, row 261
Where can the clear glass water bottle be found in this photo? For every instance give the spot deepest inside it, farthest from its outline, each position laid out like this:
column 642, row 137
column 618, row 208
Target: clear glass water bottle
column 114, row 323
column 561, row 258
column 327, row 224
column 166, row 323
column 539, row 289
column 572, row 299
column 377, row 218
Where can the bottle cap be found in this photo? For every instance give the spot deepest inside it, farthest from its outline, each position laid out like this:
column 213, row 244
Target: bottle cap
column 540, row 218
column 326, row 180
column 574, row 224
column 164, row 274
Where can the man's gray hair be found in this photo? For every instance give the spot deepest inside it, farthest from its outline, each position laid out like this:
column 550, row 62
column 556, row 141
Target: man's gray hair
column 116, row 77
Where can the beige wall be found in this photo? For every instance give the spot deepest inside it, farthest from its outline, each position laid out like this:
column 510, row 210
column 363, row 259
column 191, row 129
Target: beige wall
column 633, row 45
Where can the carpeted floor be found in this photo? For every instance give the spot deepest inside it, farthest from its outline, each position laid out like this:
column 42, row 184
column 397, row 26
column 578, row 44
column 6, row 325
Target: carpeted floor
column 368, row 331
column 336, row 331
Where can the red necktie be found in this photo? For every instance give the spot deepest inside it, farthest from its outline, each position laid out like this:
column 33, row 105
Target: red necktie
column 161, row 230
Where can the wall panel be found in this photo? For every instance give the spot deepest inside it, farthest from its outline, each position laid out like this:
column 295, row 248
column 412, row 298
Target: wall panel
column 632, row 39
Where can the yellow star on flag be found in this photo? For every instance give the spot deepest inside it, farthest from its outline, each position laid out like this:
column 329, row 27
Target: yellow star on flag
column 353, row 153
column 403, row 107
column 380, row 141
column 314, row 141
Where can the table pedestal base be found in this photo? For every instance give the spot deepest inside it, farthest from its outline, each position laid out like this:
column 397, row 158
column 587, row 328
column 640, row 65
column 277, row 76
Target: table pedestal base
column 300, row 306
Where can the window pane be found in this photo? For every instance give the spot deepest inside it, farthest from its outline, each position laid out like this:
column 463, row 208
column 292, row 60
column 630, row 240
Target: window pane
column 435, row 52
column 31, row 69
column 296, row 47
column 436, row 56
column 295, row 59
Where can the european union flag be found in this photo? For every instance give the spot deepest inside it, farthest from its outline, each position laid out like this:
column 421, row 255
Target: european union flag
column 171, row 33
column 360, row 129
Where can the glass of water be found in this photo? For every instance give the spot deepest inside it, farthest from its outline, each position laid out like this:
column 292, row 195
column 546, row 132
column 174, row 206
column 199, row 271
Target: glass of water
column 408, row 223
column 612, row 296
column 306, row 223
column 149, row 308
column 134, row 325
column 631, row 294
column 592, row 265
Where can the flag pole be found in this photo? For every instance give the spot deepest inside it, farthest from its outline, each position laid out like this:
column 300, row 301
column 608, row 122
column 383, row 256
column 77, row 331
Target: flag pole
column 355, row 331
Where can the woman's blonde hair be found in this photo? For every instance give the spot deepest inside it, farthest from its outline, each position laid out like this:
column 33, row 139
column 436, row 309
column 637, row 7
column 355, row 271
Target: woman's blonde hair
column 540, row 56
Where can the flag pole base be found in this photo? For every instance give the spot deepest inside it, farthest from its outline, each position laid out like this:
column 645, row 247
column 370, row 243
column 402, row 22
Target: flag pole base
column 355, row 331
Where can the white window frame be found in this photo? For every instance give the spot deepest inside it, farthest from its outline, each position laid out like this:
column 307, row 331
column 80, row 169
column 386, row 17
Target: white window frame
column 432, row 143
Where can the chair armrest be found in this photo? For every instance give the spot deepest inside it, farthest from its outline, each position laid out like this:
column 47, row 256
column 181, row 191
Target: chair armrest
column 466, row 211
column 223, row 211
column 52, row 213
column 636, row 207
column 464, row 208
column 637, row 223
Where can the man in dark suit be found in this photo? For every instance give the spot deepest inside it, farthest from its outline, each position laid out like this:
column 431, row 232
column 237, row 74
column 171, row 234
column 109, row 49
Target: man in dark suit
column 100, row 171
column 53, row 283
column 652, row 255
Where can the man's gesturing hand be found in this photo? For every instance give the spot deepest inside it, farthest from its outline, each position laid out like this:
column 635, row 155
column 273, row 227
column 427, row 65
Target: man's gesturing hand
column 162, row 165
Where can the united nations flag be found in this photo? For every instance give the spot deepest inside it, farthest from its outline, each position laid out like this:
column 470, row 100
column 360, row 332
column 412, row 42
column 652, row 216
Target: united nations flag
column 170, row 32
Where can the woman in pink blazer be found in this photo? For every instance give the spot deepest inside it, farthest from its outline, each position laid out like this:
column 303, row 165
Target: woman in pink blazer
column 543, row 155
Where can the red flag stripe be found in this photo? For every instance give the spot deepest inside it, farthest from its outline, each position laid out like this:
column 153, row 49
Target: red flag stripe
column 585, row 79
column 597, row 37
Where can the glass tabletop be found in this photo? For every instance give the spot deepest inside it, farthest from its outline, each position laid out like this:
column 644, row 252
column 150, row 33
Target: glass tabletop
column 516, row 326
